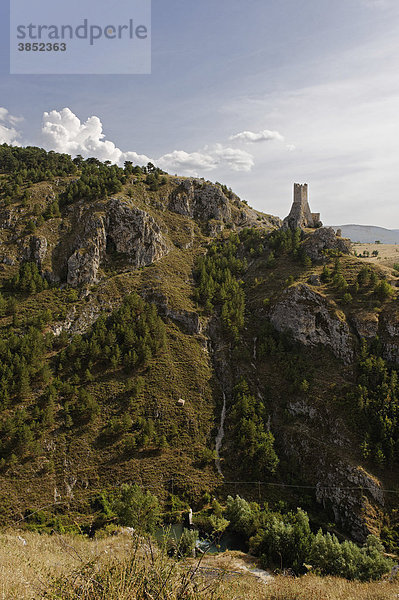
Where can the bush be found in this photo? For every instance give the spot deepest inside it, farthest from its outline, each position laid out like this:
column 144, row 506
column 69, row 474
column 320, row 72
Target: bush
column 240, row 515
column 329, row 556
column 187, row 542
column 383, row 290
column 136, row 508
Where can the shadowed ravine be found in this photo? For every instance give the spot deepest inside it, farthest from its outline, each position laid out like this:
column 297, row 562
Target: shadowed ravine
column 220, row 435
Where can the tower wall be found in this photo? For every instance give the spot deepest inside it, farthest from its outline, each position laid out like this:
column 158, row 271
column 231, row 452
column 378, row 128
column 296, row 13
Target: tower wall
column 300, row 215
column 301, row 193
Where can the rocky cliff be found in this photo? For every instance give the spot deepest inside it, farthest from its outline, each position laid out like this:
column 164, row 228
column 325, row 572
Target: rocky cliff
column 258, row 310
column 311, row 320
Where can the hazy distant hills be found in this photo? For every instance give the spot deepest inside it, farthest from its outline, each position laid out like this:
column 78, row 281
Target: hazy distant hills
column 368, row 233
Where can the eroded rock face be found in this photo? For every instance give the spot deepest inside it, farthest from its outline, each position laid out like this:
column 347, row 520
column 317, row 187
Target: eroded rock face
column 325, row 239
column 36, row 250
column 190, row 320
column 365, row 324
column 127, row 229
column 84, row 263
column 134, row 233
column 351, row 506
column 199, row 200
column 354, row 497
column 311, row 320
column 389, row 334
column 79, row 321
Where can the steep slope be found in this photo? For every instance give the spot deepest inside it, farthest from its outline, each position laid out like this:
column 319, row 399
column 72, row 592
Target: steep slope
column 137, row 308
column 81, row 414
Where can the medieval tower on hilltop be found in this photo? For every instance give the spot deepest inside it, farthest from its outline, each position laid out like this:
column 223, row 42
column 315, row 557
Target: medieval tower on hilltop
column 300, row 215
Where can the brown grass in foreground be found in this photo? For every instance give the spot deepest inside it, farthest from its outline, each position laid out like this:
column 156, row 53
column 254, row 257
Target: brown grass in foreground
column 124, row 568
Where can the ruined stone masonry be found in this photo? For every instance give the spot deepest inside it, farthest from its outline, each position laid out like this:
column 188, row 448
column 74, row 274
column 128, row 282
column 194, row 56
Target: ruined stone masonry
column 300, row 215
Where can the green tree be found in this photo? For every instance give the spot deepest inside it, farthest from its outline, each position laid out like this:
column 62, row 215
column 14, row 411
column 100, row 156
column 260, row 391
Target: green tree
column 136, row 508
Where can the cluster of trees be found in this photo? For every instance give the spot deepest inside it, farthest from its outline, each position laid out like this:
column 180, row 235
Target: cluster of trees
column 28, row 280
column 288, row 355
column 97, row 180
column 367, row 280
column 287, row 541
column 21, row 363
column 377, row 398
column 155, row 177
column 254, row 240
column 33, row 164
column 254, row 440
column 23, row 367
column 218, row 281
column 129, row 338
column 285, row 240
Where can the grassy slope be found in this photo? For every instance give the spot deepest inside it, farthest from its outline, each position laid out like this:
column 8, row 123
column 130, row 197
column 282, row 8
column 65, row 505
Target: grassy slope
column 336, row 432
column 183, row 369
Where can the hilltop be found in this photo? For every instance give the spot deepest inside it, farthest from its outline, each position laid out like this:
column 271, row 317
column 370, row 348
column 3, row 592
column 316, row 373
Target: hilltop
column 138, row 309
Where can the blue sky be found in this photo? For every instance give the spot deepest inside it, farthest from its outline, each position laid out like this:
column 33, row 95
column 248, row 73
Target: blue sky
column 257, row 95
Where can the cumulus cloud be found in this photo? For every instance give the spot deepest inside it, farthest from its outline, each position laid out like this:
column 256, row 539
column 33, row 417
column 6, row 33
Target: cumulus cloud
column 261, row 136
column 64, row 132
column 207, row 160
column 8, row 133
column 237, row 160
column 180, row 161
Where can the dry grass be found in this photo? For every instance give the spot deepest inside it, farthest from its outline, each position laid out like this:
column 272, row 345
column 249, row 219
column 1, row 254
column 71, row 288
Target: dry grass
column 311, row 587
column 388, row 254
column 26, row 569
column 124, row 568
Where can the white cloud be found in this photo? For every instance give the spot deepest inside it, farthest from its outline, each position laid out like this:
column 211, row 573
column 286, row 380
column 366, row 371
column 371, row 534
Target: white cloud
column 209, row 159
column 64, row 132
column 237, row 160
column 8, row 133
column 180, row 161
column 261, row 136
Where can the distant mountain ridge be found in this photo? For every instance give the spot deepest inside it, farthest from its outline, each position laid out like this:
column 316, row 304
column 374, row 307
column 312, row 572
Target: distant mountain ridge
column 368, row 233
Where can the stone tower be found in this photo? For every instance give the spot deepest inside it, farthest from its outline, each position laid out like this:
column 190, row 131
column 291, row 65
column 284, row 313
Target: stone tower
column 300, row 215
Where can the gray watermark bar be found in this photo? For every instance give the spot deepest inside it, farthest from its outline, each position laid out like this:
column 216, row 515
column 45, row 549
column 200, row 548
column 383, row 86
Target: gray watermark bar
column 90, row 37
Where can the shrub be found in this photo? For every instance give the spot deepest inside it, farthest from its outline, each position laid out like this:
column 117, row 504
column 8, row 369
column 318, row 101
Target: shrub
column 187, row 542
column 136, row 508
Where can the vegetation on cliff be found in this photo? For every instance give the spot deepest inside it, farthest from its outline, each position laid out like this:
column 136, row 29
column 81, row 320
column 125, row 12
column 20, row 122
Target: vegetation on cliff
column 118, row 377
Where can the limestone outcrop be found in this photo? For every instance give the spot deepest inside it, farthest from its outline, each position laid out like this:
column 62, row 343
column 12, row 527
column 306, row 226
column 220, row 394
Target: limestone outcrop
column 36, row 250
column 84, row 262
column 116, row 226
column 350, row 506
column 324, row 239
column 200, row 200
column 134, row 233
column 311, row 319
column 365, row 324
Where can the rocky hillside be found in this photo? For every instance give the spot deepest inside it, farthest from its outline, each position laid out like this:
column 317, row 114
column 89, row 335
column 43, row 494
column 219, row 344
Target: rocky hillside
column 157, row 330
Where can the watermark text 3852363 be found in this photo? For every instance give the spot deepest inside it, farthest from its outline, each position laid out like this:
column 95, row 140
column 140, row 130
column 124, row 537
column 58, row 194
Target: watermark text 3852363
column 82, row 37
